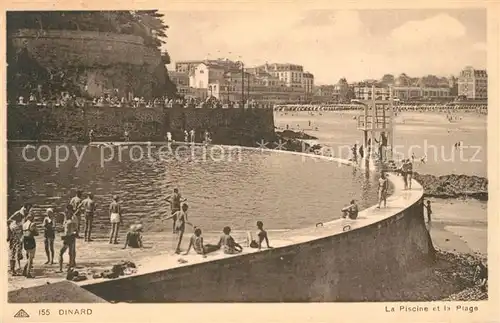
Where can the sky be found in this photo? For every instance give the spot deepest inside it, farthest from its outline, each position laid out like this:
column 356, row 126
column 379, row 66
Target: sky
column 355, row 44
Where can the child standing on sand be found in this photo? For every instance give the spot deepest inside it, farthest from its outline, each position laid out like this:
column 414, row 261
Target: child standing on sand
column 429, row 210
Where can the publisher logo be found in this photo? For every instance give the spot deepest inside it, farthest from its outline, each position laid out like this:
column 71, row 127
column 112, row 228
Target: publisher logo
column 21, row 314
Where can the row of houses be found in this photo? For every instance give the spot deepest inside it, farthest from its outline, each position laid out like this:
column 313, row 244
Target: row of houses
column 279, row 83
column 227, row 80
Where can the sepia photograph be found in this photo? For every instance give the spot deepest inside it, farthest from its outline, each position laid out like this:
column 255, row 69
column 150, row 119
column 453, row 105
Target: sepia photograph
column 245, row 156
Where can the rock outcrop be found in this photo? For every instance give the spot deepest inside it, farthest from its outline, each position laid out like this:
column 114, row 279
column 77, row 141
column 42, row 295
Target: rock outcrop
column 453, row 186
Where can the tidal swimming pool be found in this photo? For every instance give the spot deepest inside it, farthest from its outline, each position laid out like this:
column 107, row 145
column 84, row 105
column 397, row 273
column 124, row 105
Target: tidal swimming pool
column 235, row 188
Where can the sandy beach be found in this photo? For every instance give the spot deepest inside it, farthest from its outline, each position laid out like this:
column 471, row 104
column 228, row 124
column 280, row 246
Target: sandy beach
column 458, row 225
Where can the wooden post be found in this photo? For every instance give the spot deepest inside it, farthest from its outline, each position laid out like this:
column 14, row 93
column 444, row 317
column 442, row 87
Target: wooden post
column 390, row 135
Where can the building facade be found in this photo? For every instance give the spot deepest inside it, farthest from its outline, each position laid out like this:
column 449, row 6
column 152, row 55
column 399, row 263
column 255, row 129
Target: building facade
column 228, row 80
column 406, row 93
column 308, row 83
column 181, row 81
column 363, row 91
column 473, row 84
column 326, row 94
column 290, row 74
column 186, row 66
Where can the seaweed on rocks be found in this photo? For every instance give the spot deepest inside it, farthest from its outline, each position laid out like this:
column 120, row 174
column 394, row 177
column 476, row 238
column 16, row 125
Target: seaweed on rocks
column 453, row 186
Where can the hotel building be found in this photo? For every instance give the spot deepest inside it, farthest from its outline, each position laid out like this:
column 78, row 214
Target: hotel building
column 473, row 84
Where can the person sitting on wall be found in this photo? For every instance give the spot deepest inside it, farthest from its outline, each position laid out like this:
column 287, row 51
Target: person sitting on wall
column 230, row 246
column 262, row 234
column 196, row 242
column 351, row 211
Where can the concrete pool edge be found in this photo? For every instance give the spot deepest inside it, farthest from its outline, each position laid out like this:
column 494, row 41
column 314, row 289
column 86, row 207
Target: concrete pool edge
column 398, row 203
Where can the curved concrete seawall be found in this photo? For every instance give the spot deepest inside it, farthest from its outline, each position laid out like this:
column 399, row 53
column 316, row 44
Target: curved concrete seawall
column 321, row 263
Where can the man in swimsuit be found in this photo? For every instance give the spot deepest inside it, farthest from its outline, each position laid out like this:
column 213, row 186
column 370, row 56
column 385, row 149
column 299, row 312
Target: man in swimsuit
column 50, row 235
column 76, row 203
column 134, row 236
column 262, row 234
column 181, row 218
column 403, row 172
column 175, row 201
column 409, row 172
column 196, row 242
column 89, row 207
column 115, row 217
column 69, row 239
column 29, row 233
column 382, row 190
column 350, row 211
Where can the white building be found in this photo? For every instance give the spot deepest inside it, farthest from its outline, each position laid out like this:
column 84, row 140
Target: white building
column 473, row 84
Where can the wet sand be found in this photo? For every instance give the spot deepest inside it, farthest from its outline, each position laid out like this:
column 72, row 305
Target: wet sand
column 458, row 225
column 428, row 133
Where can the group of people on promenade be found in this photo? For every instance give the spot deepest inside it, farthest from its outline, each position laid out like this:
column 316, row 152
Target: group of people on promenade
column 405, row 169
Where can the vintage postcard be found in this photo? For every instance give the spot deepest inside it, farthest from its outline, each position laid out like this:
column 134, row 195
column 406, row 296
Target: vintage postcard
column 282, row 161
